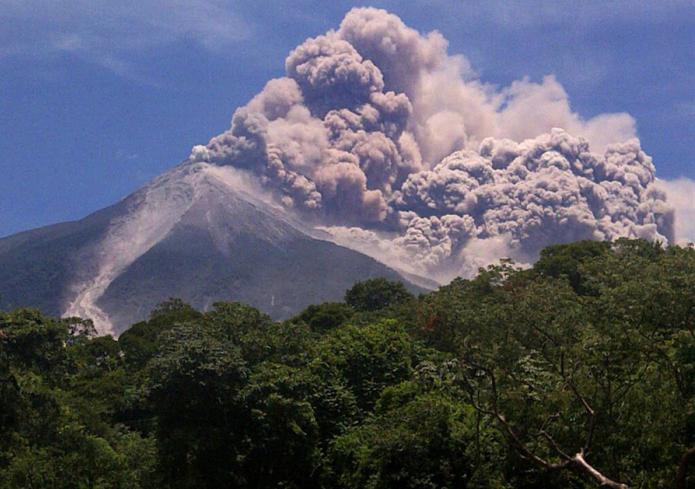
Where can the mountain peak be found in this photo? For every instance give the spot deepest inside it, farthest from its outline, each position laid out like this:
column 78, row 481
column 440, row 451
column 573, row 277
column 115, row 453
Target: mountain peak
column 200, row 232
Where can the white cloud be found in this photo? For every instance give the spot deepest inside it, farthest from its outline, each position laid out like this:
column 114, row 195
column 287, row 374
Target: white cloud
column 109, row 33
column 520, row 14
column 681, row 195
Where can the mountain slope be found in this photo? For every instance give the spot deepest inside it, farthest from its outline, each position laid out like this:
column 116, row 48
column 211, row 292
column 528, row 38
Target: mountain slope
column 197, row 233
column 37, row 266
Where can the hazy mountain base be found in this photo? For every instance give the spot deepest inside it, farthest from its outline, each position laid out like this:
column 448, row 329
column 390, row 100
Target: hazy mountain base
column 579, row 372
column 279, row 279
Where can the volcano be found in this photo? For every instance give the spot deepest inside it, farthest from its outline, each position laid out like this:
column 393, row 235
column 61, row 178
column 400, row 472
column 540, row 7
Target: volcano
column 200, row 233
column 385, row 142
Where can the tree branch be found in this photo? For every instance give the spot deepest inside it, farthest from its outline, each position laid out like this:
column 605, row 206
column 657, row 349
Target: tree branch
column 511, row 433
column 591, row 414
column 580, row 463
column 577, row 461
column 682, row 474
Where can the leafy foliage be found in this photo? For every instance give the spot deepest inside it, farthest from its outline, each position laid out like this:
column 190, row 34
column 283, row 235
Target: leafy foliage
column 375, row 294
column 578, row 372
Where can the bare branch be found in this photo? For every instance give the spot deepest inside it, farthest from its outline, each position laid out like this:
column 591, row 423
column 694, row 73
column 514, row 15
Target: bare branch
column 554, row 444
column 577, row 461
column 591, row 414
column 511, row 433
column 525, row 452
column 580, row 463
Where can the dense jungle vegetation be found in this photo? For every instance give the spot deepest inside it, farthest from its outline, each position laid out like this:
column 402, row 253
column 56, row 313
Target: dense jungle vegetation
column 576, row 373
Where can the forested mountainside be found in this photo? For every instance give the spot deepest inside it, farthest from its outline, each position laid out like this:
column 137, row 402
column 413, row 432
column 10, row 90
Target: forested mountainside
column 576, row 373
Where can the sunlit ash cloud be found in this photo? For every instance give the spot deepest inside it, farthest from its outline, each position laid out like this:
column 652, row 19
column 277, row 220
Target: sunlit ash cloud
column 394, row 146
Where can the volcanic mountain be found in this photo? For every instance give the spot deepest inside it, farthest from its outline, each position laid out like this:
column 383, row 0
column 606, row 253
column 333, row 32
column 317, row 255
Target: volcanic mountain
column 387, row 143
column 198, row 232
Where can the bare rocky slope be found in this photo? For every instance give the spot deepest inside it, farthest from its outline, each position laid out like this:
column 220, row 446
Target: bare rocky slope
column 198, row 233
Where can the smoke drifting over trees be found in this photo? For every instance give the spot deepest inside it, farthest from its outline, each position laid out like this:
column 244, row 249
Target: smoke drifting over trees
column 381, row 137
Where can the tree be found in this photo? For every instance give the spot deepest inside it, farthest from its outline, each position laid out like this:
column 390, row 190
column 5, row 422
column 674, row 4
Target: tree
column 577, row 372
column 282, row 433
column 566, row 260
column 578, row 381
column 194, row 389
column 139, row 342
column 422, row 435
column 327, row 316
column 368, row 358
column 57, row 396
column 375, row 294
column 35, row 342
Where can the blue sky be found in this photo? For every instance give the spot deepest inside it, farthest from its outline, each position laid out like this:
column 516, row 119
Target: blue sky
column 97, row 97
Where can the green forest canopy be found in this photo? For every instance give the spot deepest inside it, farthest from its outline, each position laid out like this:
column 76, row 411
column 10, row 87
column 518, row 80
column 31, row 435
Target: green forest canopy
column 576, row 373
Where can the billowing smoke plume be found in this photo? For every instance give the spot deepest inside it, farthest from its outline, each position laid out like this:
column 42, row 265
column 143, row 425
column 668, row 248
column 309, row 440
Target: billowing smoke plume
column 394, row 146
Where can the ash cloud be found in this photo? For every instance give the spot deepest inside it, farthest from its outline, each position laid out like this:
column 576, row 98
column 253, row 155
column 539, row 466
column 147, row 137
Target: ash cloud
column 395, row 147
